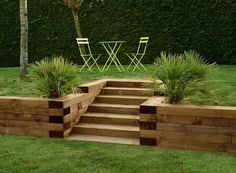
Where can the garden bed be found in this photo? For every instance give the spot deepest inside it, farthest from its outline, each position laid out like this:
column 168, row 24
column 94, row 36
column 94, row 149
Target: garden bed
column 210, row 128
column 46, row 117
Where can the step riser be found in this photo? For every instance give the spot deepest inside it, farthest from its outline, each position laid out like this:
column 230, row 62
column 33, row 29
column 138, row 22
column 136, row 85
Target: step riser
column 126, row 101
column 134, row 111
column 104, row 139
column 105, row 132
column 127, row 84
column 127, row 92
column 105, row 120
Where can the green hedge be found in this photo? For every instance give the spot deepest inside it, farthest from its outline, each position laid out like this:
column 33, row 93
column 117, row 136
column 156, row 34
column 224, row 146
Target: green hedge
column 207, row 26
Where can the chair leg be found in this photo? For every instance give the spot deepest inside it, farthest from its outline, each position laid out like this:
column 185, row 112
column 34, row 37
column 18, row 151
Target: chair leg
column 98, row 66
column 132, row 61
column 139, row 67
column 95, row 62
column 143, row 67
column 117, row 66
column 105, row 65
column 136, row 62
column 85, row 64
column 82, row 67
column 119, row 63
column 139, row 63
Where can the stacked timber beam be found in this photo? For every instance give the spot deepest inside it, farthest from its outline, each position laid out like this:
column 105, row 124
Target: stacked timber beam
column 148, row 121
column 205, row 128
column 208, row 128
column 27, row 116
column 121, row 111
column 46, row 117
column 114, row 115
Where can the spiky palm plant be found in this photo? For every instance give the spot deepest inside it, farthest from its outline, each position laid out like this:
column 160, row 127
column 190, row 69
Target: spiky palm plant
column 54, row 77
column 182, row 75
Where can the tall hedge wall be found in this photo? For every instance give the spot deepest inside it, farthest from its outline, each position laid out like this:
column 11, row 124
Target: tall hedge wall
column 207, row 26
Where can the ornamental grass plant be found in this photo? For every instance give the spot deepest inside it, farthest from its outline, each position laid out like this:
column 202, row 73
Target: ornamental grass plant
column 182, row 75
column 54, row 77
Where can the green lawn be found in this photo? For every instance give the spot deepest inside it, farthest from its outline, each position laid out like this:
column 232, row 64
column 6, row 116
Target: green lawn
column 43, row 155
column 222, row 82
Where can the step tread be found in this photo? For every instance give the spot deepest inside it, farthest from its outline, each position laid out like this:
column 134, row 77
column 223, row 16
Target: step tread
column 127, row 88
column 129, row 80
column 107, row 127
column 109, row 115
column 124, row 96
column 114, row 105
column 104, row 139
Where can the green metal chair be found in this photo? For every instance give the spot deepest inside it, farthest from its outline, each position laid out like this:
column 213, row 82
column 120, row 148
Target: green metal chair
column 89, row 59
column 137, row 57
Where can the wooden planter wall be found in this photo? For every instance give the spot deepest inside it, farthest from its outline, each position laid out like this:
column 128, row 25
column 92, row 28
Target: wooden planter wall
column 46, row 117
column 210, row 128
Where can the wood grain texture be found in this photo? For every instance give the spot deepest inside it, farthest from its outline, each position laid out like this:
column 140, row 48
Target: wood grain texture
column 150, row 106
column 196, row 120
column 193, row 110
column 45, row 117
column 132, row 83
column 196, row 128
column 93, row 86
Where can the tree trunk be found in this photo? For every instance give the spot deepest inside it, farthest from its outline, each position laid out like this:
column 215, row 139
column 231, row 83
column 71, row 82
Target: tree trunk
column 23, row 38
column 78, row 28
column 77, row 23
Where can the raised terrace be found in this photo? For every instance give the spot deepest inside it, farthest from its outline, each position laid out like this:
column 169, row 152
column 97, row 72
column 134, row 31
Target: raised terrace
column 122, row 111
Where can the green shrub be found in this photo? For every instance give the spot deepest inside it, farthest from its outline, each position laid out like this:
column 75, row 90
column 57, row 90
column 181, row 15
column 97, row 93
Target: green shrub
column 54, row 77
column 182, row 75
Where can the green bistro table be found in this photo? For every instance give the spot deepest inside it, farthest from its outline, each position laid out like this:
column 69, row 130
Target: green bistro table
column 112, row 48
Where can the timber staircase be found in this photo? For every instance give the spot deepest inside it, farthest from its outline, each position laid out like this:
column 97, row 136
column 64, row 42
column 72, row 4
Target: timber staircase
column 113, row 117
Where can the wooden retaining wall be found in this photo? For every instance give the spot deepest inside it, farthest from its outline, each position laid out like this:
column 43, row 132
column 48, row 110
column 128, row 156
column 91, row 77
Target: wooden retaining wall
column 209, row 128
column 46, row 117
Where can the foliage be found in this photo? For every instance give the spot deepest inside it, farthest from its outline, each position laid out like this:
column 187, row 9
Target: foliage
column 207, row 26
column 220, row 80
column 54, row 77
column 182, row 75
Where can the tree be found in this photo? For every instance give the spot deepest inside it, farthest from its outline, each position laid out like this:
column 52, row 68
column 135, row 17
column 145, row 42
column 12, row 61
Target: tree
column 75, row 6
column 23, row 38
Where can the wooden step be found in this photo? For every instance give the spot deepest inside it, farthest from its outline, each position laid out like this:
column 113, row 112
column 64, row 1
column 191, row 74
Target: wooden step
column 134, row 83
column 114, row 108
column 121, row 99
column 106, row 130
column 127, row 91
column 104, row 139
column 107, row 118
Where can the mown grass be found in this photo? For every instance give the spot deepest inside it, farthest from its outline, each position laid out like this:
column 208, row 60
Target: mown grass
column 43, row 155
column 222, row 82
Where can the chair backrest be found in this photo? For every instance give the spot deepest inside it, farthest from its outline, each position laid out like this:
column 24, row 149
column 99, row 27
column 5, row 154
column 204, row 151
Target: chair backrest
column 83, row 42
column 142, row 47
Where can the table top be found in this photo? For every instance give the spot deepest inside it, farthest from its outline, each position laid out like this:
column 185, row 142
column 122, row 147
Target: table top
column 102, row 42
